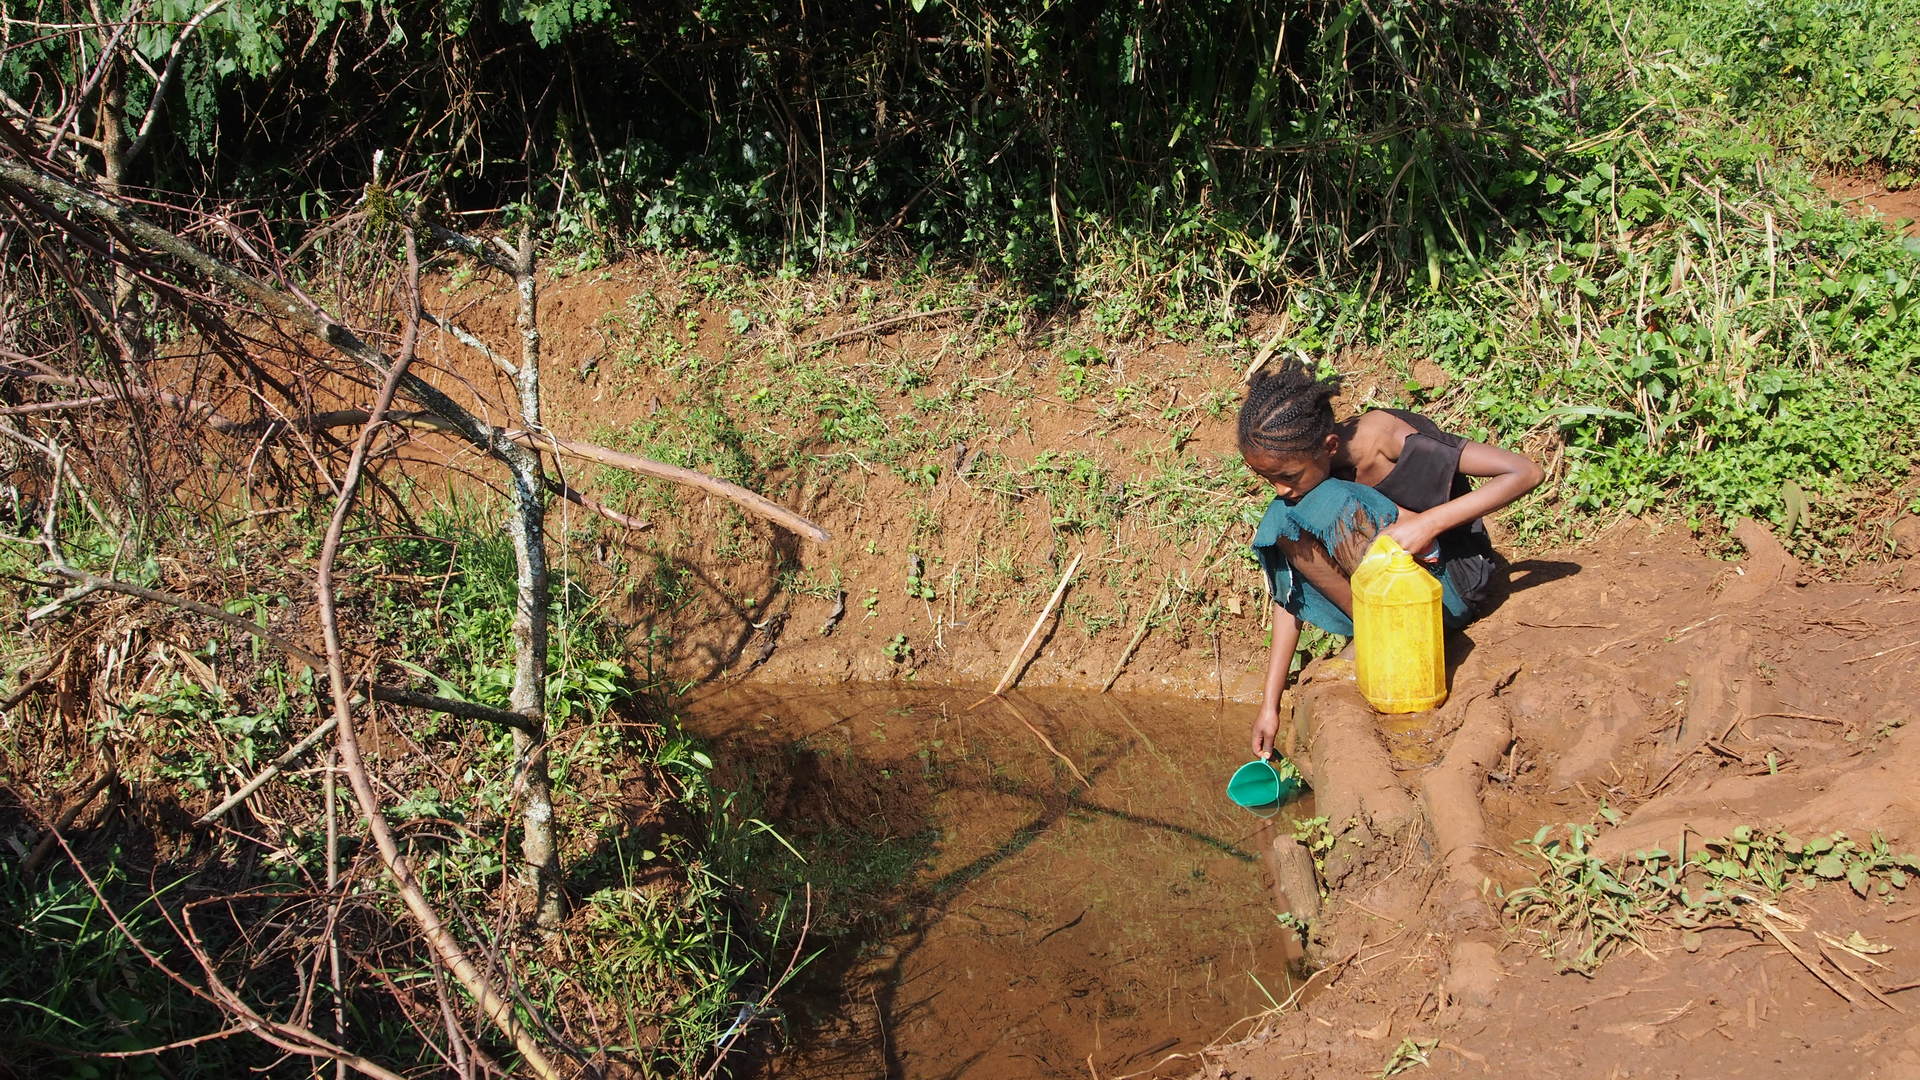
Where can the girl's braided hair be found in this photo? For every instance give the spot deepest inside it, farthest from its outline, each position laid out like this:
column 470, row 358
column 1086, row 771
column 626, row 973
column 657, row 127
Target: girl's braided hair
column 1289, row 410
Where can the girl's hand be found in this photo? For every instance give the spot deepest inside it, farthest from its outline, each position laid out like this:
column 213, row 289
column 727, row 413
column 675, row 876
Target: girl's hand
column 1265, row 726
column 1416, row 534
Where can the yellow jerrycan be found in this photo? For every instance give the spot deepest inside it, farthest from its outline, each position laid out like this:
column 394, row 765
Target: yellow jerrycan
column 1399, row 656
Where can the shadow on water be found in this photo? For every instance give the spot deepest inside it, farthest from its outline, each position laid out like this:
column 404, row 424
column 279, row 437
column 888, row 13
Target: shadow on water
column 982, row 913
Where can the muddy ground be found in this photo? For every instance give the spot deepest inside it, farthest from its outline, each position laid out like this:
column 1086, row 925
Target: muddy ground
column 1692, row 697
column 1632, row 679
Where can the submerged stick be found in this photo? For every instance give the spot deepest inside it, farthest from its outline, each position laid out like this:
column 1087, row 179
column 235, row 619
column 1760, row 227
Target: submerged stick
column 1048, row 743
column 1059, row 590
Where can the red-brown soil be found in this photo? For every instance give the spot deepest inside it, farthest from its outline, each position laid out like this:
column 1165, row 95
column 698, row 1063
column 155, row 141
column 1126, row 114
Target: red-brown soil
column 1688, row 694
column 1899, row 209
column 1693, row 697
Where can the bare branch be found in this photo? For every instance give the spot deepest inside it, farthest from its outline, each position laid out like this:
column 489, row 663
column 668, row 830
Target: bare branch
column 165, row 79
column 292, row 754
column 466, row 337
column 451, row 954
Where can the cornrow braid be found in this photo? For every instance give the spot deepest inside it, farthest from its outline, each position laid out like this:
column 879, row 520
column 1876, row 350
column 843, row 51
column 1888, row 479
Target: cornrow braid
column 1288, row 410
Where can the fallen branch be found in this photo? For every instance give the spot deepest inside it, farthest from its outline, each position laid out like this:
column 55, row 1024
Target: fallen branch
column 758, row 504
column 292, row 754
column 882, row 325
column 1046, row 613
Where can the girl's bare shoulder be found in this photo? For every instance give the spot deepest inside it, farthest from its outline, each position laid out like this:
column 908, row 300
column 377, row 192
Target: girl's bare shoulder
column 1380, row 434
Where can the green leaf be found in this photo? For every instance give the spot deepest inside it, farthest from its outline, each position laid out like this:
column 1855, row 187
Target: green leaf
column 1794, row 503
column 1857, row 877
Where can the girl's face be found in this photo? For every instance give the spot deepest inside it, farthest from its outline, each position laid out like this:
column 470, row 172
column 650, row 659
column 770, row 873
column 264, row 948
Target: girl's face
column 1293, row 474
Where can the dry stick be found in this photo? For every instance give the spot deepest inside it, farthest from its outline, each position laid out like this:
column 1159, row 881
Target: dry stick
column 293, row 752
column 1853, row 975
column 1059, row 590
column 1882, row 652
column 883, row 324
column 495, row 1007
column 1139, row 635
column 1794, row 951
column 749, row 500
column 1146, row 622
column 333, row 889
column 55, row 406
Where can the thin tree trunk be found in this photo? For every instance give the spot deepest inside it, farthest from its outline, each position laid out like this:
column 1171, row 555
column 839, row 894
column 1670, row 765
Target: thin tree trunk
column 539, row 849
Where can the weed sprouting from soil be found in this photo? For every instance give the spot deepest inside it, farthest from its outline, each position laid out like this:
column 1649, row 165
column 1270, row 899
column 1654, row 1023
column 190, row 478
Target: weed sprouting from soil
column 1586, row 909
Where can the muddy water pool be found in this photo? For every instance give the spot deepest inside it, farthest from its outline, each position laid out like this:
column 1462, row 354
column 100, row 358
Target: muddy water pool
column 984, row 912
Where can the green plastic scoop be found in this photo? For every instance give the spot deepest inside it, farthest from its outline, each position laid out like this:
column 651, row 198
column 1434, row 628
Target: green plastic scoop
column 1260, row 785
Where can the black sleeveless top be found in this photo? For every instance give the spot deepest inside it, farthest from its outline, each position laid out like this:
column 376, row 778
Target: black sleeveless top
column 1428, row 474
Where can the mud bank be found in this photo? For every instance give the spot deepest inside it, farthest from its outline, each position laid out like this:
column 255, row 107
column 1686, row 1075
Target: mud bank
column 1665, row 700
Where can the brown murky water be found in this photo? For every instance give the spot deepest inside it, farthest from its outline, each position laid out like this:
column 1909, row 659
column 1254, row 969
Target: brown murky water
column 1039, row 927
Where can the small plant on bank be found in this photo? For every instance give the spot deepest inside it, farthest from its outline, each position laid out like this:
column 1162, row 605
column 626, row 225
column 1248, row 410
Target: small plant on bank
column 1411, row 1053
column 897, row 649
column 918, row 586
column 1585, row 909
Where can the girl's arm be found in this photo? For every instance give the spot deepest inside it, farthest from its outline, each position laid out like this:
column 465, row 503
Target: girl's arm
column 1328, row 572
column 1286, row 637
column 1509, row 476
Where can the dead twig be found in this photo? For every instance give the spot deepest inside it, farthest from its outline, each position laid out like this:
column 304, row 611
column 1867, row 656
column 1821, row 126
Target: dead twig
column 1795, row 951
column 882, row 325
column 492, row 1004
column 1013, row 669
column 1046, row 742
column 1882, row 652
column 292, row 754
column 1139, row 635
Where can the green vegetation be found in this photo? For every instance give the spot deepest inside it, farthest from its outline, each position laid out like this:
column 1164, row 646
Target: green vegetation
column 1833, row 80
column 1610, row 255
column 1079, row 145
column 656, row 946
column 1586, row 909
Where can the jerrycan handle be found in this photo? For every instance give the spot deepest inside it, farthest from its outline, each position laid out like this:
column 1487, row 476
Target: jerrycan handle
column 1398, row 558
column 1386, row 548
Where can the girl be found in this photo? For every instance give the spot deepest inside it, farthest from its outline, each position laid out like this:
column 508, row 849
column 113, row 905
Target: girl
column 1341, row 484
